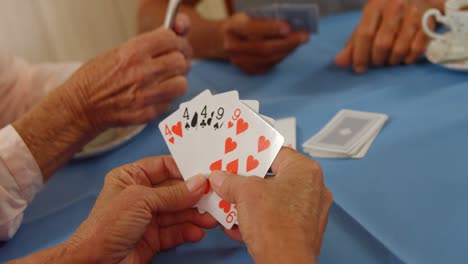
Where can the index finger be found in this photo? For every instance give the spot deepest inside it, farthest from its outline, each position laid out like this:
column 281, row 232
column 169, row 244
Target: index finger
column 246, row 27
column 365, row 35
column 383, row 43
column 160, row 41
column 154, row 169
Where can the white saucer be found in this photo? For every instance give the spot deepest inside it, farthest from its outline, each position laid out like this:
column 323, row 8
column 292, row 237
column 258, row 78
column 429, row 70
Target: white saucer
column 109, row 140
column 437, row 48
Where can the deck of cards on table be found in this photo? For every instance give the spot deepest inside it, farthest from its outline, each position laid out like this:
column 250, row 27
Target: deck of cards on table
column 349, row 134
column 221, row 132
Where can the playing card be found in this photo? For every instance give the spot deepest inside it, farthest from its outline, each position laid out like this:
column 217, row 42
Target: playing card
column 252, row 104
column 203, row 95
column 345, row 131
column 269, row 120
column 301, row 17
column 250, row 147
column 361, row 152
column 226, row 135
column 205, row 114
column 287, row 128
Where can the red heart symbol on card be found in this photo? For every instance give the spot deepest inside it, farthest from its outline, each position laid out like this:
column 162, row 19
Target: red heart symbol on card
column 229, row 145
column 225, row 206
column 263, row 143
column 242, row 126
column 233, row 166
column 252, row 163
column 230, row 124
column 208, row 187
column 216, row 166
column 177, row 129
column 171, row 140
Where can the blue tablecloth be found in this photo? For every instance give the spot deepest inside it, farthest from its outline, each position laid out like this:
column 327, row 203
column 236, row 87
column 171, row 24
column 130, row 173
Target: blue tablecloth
column 403, row 203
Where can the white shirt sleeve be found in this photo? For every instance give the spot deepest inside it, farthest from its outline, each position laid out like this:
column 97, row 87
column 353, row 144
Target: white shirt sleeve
column 20, row 181
column 22, row 85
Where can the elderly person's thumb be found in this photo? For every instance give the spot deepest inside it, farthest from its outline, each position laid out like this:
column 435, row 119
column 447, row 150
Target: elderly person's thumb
column 176, row 197
column 227, row 185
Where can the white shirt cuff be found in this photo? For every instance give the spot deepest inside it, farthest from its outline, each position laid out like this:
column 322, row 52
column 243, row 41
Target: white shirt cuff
column 21, row 163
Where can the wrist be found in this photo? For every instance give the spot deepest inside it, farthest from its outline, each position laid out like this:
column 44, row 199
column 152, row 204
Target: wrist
column 59, row 254
column 53, row 132
column 213, row 49
column 289, row 248
column 74, row 101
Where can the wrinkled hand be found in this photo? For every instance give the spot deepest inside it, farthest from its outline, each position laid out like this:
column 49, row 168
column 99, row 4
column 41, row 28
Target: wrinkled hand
column 257, row 45
column 281, row 219
column 390, row 33
column 134, row 83
column 143, row 208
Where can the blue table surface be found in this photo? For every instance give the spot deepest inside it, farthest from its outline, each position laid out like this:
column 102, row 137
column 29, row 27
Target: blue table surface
column 402, row 203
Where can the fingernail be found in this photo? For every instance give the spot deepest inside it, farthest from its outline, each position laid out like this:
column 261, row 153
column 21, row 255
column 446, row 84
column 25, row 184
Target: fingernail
column 183, row 24
column 217, row 178
column 196, row 182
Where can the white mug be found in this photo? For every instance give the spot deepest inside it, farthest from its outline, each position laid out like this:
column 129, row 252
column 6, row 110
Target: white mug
column 455, row 18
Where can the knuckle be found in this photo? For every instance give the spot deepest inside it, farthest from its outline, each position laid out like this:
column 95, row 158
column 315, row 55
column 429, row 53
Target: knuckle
column 314, row 168
column 148, row 114
column 414, row 13
column 418, row 49
column 251, row 186
column 130, row 170
column 365, row 33
column 134, row 192
column 382, row 44
column 112, row 176
column 171, row 194
column 399, row 51
column 131, row 48
column 178, row 62
column 230, row 45
column 265, row 48
column 181, row 87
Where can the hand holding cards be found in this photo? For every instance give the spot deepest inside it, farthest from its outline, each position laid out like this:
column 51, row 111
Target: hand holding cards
column 220, row 133
column 301, row 17
column 348, row 135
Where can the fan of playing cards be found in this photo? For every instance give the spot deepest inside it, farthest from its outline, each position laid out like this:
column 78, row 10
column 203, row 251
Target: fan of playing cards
column 221, row 132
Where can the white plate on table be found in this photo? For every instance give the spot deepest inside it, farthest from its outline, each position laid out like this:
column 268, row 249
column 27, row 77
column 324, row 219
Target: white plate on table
column 109, row 140
column 434, row 50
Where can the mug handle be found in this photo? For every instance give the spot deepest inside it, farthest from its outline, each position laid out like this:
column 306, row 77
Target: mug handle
column 439, row 18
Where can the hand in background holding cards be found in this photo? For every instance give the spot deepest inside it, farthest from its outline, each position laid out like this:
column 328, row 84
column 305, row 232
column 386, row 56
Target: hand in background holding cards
column 143, row 208
column 254, row 45
column 281, row 219
column 390, row 33
column 257, row 45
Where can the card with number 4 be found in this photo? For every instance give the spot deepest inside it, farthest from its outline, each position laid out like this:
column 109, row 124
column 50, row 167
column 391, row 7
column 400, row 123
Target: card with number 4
column 242, row 143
